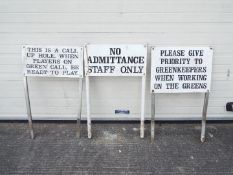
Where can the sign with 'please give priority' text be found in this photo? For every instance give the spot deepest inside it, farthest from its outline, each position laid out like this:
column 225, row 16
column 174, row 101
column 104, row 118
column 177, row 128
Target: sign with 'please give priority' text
column 181, row 69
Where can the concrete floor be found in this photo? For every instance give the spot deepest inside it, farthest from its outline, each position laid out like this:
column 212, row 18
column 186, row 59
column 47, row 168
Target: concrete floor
column 115, row 149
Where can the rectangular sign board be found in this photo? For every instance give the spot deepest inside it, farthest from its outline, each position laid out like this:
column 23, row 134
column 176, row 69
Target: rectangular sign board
column 116, row 60
column 53, row 61
column 181, row 69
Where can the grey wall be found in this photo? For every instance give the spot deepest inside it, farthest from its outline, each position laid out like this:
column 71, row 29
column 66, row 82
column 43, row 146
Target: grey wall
column 76, row 22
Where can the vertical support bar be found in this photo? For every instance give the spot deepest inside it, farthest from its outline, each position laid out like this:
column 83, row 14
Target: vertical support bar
column 87, row 93
column 88, row 107
column 204, row 112
column 152, row 117
column 79, row 108
column 143, row 106
column 28, row 105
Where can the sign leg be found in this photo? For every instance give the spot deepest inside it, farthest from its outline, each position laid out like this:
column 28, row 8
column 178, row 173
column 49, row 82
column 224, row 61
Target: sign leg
column 143, row 106
column 152, row 117
column 79, row 108
column 204, row 112
column 88, row 108
column 29, row 113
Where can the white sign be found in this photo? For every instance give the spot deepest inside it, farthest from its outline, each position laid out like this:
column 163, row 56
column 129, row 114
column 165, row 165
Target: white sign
column 116, row 60
column 53, row 61
column 181, row 69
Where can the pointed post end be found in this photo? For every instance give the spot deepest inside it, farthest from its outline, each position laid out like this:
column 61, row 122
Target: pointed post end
column 78, row 135
column 32, row 134
column 89, row 135
column 202, row 139
column 142, row 135
column 152, row 141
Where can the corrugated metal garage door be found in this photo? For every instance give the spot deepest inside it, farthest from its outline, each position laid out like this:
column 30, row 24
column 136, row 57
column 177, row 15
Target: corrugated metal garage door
column 76, row 22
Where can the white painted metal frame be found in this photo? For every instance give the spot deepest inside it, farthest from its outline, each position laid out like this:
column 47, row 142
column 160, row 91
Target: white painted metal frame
column 29, row 111
column 143, row 92
column 203, row 123
column 204, row 114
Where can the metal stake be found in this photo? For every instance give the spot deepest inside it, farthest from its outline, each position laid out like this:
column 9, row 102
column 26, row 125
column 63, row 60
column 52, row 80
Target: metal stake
column 204, row 112
column 152, row 117
column 88, row 108
column 79, row 108
column 29, row 113
column 143, row 106
column 87, row 94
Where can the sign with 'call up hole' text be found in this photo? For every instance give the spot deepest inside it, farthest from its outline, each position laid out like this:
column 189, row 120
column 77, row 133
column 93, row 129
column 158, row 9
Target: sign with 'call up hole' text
column 53, row 61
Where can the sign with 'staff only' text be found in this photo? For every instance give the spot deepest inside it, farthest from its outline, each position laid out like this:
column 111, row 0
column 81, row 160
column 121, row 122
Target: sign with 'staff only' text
column 116, row 60
column 53, row 61
column 181, row 69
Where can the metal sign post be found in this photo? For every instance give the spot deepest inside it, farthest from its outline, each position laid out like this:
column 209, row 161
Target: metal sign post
column 89, row 135
column 143, row 91
column 116, row 60
column 52, row 61
column 87, row 82
column 28, row 105
column 204, row 112
column 181, row 70
column 79, row 117
column 152, row 117
column 203, row 123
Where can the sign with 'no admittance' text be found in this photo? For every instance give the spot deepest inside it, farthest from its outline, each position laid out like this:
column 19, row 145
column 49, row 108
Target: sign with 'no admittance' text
column 181, row 69
column 53, row 61
column 116, row 60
